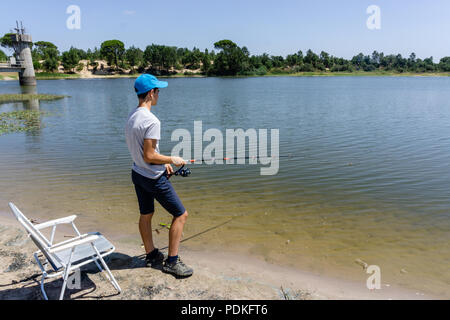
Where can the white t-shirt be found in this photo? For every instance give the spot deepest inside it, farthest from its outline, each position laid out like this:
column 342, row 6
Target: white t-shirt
column 142, row 124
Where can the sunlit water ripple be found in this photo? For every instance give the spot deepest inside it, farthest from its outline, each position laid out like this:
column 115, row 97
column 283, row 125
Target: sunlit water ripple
column 368, row 175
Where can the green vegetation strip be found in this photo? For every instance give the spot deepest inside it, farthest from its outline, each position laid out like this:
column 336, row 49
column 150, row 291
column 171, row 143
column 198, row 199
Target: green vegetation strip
column 55, row 75
column 5, row 98
column 19, row 121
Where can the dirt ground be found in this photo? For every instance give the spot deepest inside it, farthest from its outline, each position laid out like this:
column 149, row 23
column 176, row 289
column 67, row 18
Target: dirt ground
column 217, row 275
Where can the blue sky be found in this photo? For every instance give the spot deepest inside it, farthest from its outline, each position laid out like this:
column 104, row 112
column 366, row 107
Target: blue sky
column 276, row 27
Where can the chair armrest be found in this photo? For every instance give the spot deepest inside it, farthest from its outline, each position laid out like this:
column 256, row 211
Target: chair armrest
column 76, row 242
column 55, row 222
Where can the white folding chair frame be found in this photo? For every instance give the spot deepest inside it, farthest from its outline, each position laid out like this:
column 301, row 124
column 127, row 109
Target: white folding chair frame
column 47, row 245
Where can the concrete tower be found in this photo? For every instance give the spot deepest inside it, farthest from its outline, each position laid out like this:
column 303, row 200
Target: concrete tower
column 22, row 47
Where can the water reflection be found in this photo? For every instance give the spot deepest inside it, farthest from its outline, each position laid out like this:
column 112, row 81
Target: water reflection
column 23, row 115
column 31, row 104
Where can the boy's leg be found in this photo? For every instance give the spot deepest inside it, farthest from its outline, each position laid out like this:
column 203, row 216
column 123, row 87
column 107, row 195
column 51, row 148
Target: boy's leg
column 176, row 229
column 145, row 228
column 170, row 201
column 144, row 192
column 173, row 264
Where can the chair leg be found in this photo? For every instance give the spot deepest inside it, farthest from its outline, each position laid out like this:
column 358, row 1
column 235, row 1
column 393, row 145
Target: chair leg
column 105, row 266
column 96, row 263
column 100, row 267
column 66, row 275
column 42, row 287
column 44, row 274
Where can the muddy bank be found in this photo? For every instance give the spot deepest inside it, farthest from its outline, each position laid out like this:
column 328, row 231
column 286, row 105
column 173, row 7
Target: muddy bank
column 217, row 275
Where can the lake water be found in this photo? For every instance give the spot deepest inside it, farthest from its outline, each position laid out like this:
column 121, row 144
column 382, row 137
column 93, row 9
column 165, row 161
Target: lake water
column 368, row 177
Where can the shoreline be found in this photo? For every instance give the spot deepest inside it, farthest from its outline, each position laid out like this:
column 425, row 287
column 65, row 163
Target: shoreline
column 64, row 76
column 217, row 275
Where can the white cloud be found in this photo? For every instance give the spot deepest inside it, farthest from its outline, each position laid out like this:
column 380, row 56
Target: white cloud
column 129, row 12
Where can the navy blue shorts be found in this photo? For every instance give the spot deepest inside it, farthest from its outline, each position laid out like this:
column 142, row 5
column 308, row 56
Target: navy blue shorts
column 147, row 190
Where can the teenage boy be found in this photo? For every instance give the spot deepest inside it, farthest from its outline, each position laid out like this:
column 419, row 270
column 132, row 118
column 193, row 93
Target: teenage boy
column 150, row 175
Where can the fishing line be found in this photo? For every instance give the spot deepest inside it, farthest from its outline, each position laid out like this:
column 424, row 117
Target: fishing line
column 185, row 172
column 235, row 158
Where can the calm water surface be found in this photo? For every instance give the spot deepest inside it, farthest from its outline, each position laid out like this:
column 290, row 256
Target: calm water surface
column 369, row 175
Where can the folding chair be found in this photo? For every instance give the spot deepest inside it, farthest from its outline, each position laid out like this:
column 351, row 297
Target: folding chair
column 67, row 256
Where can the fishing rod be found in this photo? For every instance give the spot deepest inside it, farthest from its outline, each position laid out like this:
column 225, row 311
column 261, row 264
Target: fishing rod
column 185, row 172
column 234, row 158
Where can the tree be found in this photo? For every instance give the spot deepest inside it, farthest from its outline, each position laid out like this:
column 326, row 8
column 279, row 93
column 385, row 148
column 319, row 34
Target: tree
column 444, row 64
column 277, row 61
column 255, row 62
column 412, row 62
column 80, row 53
column 93, row 55
column 312, row 59
column 153, row 56
column 191, row 59
column 6, row 41
column 231, row 59
column 225, row 45
column 266, row 61
column 50, row 59
column 325, row 59
column 358, row 61
column 169, row 57
column 375, row 60
column 112, row 51
column 40, row 47
column 295, row 59
column 206, row 63
column 399, row 63
column 3, row 56
column 429, row 65
column 160, row 57
column 134, row 56
column 70, row 59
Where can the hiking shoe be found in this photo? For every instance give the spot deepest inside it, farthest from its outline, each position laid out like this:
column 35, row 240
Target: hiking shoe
column 178, row 268
column 157, row 260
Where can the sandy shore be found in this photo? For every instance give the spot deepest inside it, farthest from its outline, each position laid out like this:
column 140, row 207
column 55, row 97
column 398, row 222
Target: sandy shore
column 217, row 275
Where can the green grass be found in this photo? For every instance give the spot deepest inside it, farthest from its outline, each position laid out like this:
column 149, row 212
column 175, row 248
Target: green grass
column 20, row 121
column 55, row 75
column 25, row 120
column 5, row 75
column 360, row 73
column 278, row 73
column 5, row 98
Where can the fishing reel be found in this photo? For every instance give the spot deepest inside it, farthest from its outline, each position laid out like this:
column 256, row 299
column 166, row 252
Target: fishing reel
column 183, row 172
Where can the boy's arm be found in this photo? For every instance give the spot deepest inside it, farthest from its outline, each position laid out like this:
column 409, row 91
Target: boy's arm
column 152, row 157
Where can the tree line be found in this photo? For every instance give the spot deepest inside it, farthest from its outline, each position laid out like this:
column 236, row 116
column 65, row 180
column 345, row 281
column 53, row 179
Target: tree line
column 228, row 59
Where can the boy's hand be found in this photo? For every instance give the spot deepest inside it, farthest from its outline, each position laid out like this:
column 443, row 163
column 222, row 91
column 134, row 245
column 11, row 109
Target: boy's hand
column 177, row 161
column 169, row 169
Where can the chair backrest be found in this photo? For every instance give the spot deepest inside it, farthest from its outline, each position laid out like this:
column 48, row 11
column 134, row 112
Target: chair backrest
column 38, row 238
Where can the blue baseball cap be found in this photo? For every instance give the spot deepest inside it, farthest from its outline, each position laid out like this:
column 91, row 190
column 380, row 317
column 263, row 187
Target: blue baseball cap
column 147, row 82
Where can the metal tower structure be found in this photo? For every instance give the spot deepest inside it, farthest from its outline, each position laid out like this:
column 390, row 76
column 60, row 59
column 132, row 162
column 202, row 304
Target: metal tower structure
column 22, row 47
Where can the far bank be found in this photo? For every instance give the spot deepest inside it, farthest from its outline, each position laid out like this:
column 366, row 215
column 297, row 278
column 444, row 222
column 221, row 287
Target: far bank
column 60, row 76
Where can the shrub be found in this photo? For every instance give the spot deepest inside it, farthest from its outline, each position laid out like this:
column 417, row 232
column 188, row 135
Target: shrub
column 80, row 67
column 261, row 71
column 277, row 71
column 307, row 67
column 37, row 65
